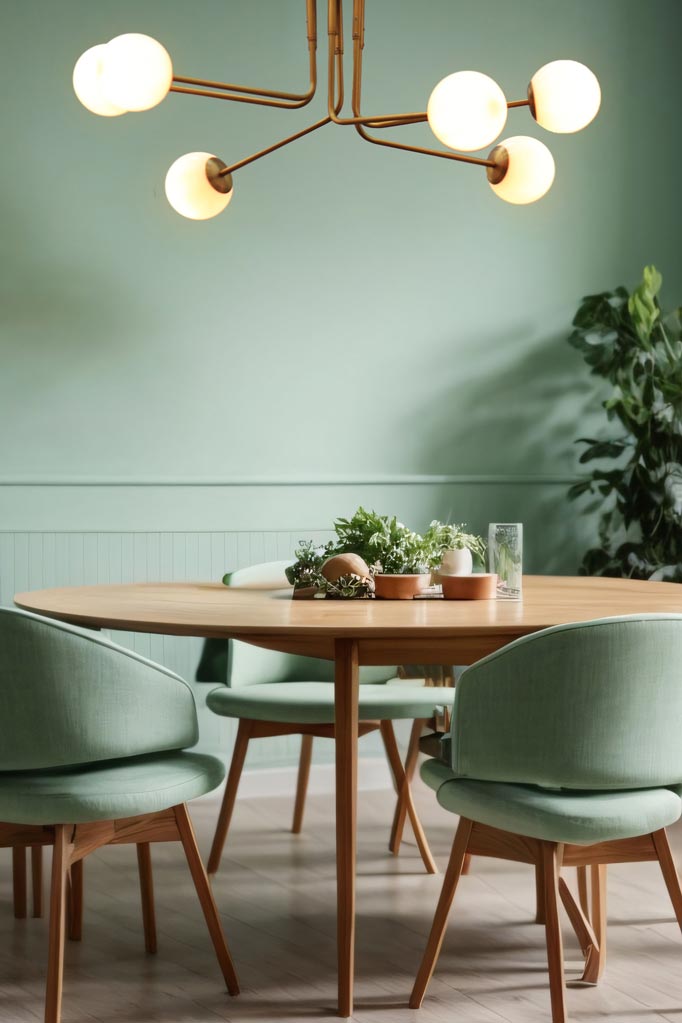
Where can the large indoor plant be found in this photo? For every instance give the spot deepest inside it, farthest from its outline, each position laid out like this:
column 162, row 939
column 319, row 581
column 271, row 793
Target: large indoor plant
column 638, row 484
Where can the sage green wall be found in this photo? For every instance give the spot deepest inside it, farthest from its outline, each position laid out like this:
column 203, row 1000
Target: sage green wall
column 359, row 318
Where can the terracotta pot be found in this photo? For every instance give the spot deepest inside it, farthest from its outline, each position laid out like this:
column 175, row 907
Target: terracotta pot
column 400, row 587
column 481, row 586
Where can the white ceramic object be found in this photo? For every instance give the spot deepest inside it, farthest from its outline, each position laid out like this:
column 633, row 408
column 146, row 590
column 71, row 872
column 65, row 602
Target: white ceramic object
column 459, row 562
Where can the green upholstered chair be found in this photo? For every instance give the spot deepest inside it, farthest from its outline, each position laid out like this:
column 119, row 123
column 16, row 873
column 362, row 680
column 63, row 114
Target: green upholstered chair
column 92, row 752
column 272, row 693
column 565, row 749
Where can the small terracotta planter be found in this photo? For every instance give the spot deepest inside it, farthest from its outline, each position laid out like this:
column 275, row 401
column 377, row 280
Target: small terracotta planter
column 400, row 587
column 481, row 586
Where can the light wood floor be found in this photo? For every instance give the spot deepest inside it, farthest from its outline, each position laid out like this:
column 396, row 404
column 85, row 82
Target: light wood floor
column 276, row 896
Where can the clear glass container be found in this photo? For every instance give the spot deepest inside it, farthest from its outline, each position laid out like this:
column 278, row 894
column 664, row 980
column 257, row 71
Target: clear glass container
column 505, row 558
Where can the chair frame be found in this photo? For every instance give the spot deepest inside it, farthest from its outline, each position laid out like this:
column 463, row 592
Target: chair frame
column 476, row 839
column 249, row 729
column 72, row 843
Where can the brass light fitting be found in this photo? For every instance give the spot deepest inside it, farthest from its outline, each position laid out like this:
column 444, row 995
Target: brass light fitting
column 466, row 111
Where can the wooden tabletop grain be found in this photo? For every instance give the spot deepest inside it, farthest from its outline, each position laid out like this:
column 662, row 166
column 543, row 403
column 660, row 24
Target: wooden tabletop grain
column 438, row 628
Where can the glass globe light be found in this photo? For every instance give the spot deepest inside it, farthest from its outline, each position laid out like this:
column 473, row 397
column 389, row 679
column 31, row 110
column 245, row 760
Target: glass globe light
column 467, row 111
column 137, row 72
column 565, row 96
column 189, row 189
column 87, row 83
column 525, row 170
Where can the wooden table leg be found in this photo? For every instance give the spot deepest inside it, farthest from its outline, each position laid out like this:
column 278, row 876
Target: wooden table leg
column 346, row 730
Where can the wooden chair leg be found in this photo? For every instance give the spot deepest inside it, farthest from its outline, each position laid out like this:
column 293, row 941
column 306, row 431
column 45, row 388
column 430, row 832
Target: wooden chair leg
column 540, row 915
column 203, row 889
column 19, row 881
column 403, row 788
column 551, row 862
column 240, row 747
column 144, row 866
column 583, row 892
column 450, row 882
column 400, row 814
column 584, row 933
column 37, row 879
column 598, row 915
column 74, row 903
column 302, row 784
column 669, row 871
column 55, row 960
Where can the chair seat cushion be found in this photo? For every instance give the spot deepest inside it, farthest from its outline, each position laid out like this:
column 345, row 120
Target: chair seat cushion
column 436, row 772
column 561, row 815
column 313, row 702
column 108, row 790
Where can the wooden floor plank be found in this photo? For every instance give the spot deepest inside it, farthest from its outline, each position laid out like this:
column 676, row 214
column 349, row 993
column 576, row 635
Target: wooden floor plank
column 276, row 896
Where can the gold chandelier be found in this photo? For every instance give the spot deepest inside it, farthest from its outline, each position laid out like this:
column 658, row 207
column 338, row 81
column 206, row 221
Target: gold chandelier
column 466, row 111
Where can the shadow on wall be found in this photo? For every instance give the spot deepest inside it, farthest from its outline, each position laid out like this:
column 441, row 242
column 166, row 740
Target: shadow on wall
column 518, row 414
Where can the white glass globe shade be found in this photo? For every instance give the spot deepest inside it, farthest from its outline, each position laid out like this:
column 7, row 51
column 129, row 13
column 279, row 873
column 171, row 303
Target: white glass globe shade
column 137, row 72
column 467, row 111
column 189, row 191
column 87, row 83
column 566, row 96
column 530, row 172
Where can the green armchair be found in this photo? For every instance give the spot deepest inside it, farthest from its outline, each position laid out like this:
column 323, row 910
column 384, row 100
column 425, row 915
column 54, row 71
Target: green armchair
column 566, row 751
column 93, row 752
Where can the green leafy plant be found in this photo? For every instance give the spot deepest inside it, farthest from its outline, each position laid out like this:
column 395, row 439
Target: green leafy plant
column 384, row 543
column 449, row 537
column 625, row 339
column 310, row 557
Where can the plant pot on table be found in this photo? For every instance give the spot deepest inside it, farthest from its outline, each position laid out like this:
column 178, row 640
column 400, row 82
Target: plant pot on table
column 400, row 587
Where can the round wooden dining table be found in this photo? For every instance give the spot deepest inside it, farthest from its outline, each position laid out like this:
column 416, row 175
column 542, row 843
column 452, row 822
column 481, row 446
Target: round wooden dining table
column 351, row 633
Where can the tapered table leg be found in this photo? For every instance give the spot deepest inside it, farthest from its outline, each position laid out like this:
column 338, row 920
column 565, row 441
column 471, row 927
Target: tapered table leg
column 346, row 730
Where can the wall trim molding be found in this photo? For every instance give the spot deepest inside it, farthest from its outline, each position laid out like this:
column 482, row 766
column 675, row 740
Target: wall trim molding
column 389, row 480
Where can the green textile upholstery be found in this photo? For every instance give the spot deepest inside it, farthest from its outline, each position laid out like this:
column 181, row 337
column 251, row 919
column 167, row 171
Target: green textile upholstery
column 109, row 790
column 69, row 696
column 582, row 818
column 435, row 773
column 571, row 734
column 596, row 705
column 313, row 702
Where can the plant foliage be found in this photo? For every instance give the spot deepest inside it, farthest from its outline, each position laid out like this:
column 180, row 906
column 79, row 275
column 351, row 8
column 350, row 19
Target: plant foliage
column 624, row 339
column 386, row 545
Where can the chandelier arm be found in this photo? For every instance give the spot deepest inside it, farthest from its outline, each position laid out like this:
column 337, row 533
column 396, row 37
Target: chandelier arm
column 225, row 171
column 519, row 103
column 427, row 152
column 257, row 101
column 399, row 121
column 298, row 98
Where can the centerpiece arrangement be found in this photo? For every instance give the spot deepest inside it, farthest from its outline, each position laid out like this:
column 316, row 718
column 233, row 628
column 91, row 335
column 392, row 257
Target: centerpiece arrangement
column 376, row 556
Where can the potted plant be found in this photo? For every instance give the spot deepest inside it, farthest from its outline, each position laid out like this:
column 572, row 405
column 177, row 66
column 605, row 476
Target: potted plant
column 455, row 547
column 638, row 485
column 400, row 558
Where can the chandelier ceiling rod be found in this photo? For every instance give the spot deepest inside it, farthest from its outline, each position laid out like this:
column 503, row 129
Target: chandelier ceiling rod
column 466, row 111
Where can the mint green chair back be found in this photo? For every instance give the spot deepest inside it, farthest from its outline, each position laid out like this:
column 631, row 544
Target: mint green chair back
column 596, row 705
column 239, row 664
column 69, row 696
